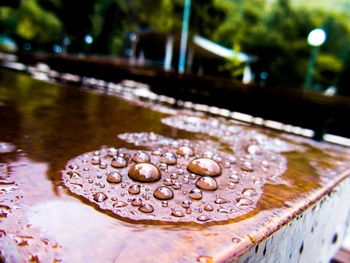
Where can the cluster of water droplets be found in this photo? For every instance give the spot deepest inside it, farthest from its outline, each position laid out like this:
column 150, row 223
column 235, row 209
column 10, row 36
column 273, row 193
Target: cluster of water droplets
column 174, row 180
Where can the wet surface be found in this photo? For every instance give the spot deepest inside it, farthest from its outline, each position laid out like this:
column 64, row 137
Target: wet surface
column 47, row 127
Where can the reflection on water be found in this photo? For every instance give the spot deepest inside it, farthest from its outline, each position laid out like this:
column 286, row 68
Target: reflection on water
column 49, row 124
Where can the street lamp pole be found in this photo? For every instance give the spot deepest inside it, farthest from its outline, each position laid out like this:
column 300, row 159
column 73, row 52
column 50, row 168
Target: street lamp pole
column 315, row 39
column 184, row 34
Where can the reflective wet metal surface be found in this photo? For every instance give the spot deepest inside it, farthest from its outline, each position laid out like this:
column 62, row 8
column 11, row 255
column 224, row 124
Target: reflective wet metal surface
column 44, row 127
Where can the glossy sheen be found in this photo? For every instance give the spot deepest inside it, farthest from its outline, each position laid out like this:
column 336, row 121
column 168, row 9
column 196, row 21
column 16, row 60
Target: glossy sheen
column 204, row 167
column 45, row 221
column 144, row 172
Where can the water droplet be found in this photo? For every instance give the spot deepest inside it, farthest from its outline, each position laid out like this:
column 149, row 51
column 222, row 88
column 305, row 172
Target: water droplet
column 164, row 203
column 204, row 167
column 185, row 151
column 141, row 157
column 234, row 178
column 208, row 208
column 118, row 162
column 95, row 160
column 168, row 158
column 231, row 185
column 134, row 189
column 163, row 193
column 203, row 218
column 168, row 182
column 146, row 208
column 243, row 202
column 144, row 172
column 100, row 197
column 221, row 201
column 205, row 259
column 177, row 213
column 173, row 176
column 236, row 240
column 73, row 166
column 249, row 192
column 208, row 154
column 163, row 166
column 232, row 159
column 177, row 185
column 114, row 177
column 136, row 201
column 74, row 174
column 247, row 166
column 156, row 152
column 186, row 204
column 120, row 204
column 4, row 211
column 207, row 183
column 112, row 152
column 103, row 165
column 254, row 149
column 196, row 194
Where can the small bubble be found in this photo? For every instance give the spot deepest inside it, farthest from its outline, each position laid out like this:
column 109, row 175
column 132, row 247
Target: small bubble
column 168, row 182
column 196, row 194
column 134, row 189
column 114, row 177
column 208, row 208
column 146, row 208
column 112, row 152
column 247, row 166
column 186, row 204
column 203, row 218
column 118, row 162
column 177, row 213
column 103, row 165
column 141, row 157
column 100, row 197
column 136, row 201
column 254, row 149
column 221, row 201
column 95, row 160
column 120, row 204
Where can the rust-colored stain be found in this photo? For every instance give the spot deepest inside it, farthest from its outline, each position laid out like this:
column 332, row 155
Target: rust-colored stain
column 46, row 129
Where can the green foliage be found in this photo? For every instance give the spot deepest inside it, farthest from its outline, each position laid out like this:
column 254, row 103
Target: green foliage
column 37, row 24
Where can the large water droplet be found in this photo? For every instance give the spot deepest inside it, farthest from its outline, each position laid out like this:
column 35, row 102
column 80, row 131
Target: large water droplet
column 185, row 151
column 144, row 172
column 114, row 177
column 134, row 189
column 207, row 183
column 163, row 193
column 204, row 167
column 168, row 158
column 100, row 197
column 196, row 194
column 118, row 162
column 146, row 208
column 141, row 157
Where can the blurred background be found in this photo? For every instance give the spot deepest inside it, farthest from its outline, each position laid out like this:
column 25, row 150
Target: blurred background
column 263, row 42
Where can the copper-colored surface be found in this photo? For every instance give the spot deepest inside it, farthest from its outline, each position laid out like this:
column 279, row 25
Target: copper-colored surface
column 40, row 220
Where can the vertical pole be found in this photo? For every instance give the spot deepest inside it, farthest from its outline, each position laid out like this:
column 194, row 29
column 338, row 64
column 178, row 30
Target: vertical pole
column 168, row 52
column 310, row 69
column 184, row 34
